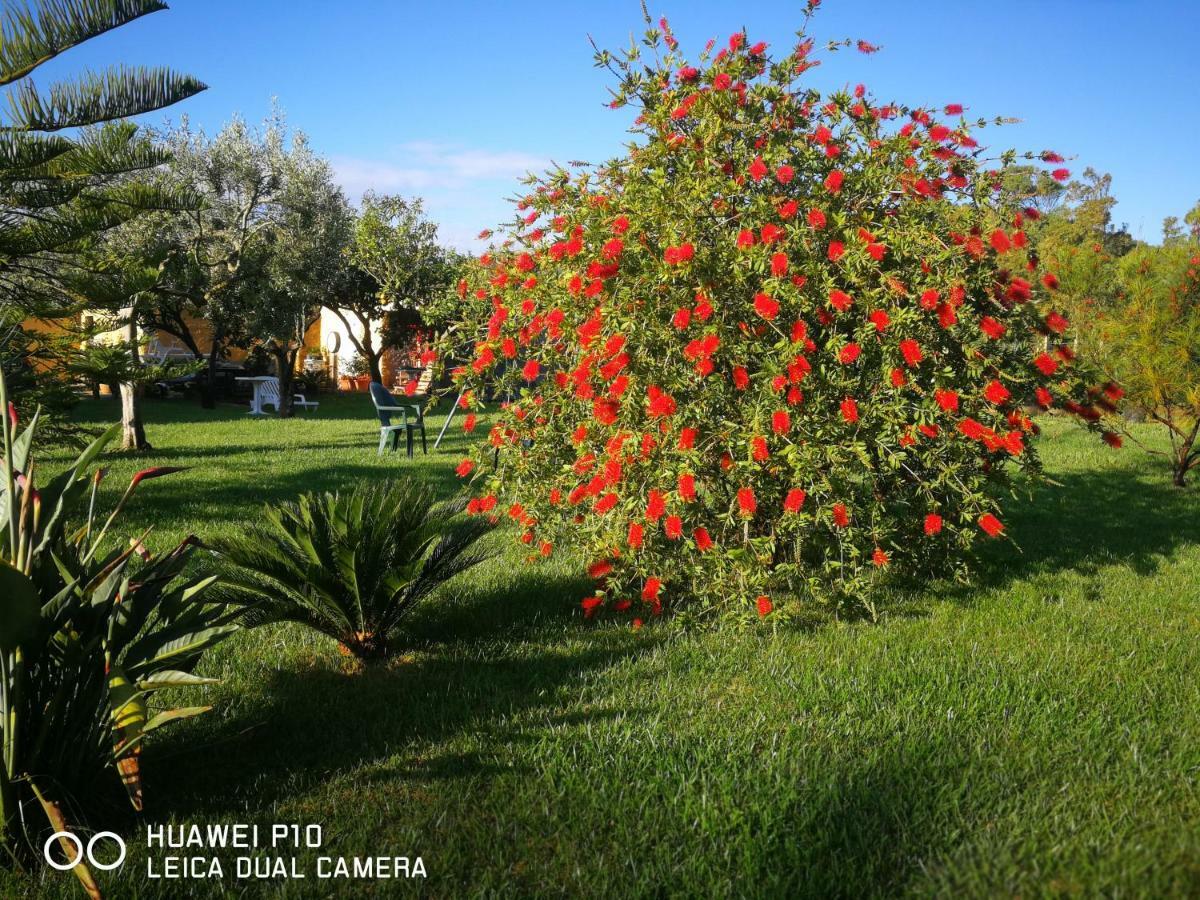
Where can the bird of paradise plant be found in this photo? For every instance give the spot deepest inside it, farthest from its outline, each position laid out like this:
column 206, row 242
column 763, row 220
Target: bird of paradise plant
column 89, row 631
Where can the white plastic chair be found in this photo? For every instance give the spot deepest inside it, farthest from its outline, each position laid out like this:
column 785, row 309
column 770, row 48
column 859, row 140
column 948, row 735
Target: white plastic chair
column 269, row 393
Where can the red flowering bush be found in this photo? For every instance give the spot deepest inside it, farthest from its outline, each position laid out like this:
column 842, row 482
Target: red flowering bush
column 782, row 347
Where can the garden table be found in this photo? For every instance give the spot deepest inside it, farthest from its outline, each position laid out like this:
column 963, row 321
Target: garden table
column 256, row 382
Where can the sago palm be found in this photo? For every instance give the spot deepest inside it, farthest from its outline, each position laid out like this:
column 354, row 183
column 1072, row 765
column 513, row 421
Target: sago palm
column 350, row 565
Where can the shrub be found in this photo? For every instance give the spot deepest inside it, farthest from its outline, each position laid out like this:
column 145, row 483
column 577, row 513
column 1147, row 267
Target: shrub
column 349, row 565
column 783, row 343
column 87, row 635
column 1149, row 338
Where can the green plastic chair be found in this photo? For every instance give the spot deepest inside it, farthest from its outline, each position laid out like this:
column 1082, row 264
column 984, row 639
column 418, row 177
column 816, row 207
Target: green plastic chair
column 386, row 406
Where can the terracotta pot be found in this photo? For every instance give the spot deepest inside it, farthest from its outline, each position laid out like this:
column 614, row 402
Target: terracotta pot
column 345, row 383
column 363, row 382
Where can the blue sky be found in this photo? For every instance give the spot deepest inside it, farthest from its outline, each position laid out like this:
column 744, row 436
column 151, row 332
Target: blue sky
column 454, row 100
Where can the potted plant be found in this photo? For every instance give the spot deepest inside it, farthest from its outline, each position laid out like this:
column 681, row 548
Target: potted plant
column 357, row 376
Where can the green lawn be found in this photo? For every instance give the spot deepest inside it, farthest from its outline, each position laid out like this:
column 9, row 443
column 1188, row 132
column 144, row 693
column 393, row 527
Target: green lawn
column 1037, row 734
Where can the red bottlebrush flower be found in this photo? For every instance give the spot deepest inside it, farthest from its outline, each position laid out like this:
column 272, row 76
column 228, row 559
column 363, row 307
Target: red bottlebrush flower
column 1057, row 323
column 590, row 605
column 764, row 606
column 636, row 533
column 898, row 378
column 604, row 411
column 676, row 256
column 1050, row 281
column 911, row 351
column 600, row 569
column 530, row 370
column 747, row 502
column 659, row 403
column 840, row 300
column 673, row 527
column 1000, row 241
column 841, row 515
column 155, row 472
column 947, row 400
column 464, row 468
column 682, row 318
column 992, row 328
column 613, row 249
column 779, row 264
column 794, row 500
column 605, row 503
column 816, row 218
column 758, row 449
column 687, row 438
column 784, row 174
column 1046, row 364
column 991, row 524
column 954, row 109
column 770, row 233
column 703, row 540
column 930, row 299
column 1112, row 439
column 620, row 225
column 865, row 47
column 687, row 487
column 876, row 251
column 1044, row 398
column 850, row 410
column 656, row 505
column 879, row 558
column 745, row 238
column 1060, row 174
column 836, row 250
column 834, row 181
column 933, row 524
column 788, row 209
column 972, row 429
column 546, row 549
column 758, row 169
column 996, row 393
column 849, row 354
column 879, row 319
column 651, row 589
column 781, row 421
column 766, row 306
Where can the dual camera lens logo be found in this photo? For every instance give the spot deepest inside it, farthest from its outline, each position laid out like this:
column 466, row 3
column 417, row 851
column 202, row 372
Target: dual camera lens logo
column 81, row 851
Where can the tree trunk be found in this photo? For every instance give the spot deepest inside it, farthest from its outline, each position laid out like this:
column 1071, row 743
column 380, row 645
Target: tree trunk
column 208, row 396
column 133, row 432
column 285, row 371
column 366, row 345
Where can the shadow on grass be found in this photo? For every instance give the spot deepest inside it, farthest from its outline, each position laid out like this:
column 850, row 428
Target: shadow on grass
column 483, row 666
column 1094, row 519
column 866, row 830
